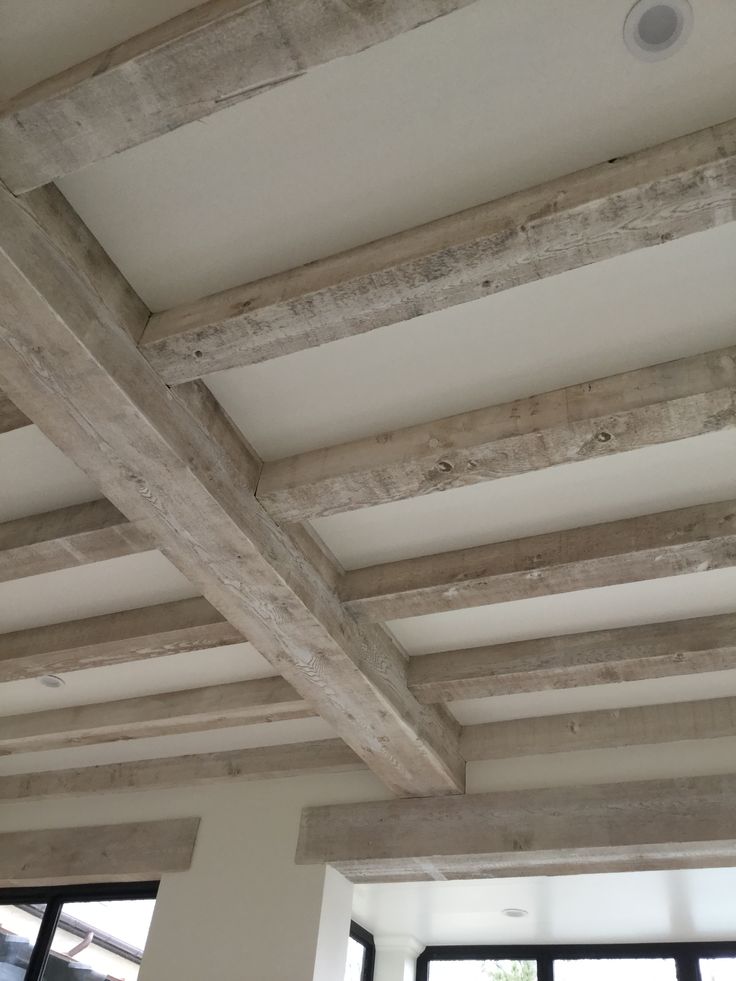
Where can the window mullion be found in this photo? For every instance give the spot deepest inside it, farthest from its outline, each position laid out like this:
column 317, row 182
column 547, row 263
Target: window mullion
column 42, row 946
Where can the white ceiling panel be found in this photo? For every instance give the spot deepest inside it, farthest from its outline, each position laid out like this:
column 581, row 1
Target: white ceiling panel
column 191, row 669
column 90, row 590
column 654, row 601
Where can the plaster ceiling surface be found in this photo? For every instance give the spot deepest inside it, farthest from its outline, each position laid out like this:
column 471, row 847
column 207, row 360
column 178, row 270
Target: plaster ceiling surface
column 439, row 119
column 36, row 477
column 91, row 590
column 182, row 744
column 175, row 672
column 618, row 907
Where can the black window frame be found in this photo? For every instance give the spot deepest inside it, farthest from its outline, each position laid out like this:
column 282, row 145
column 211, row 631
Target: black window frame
column 687, row 956
column 365, row 939
column 54, row 897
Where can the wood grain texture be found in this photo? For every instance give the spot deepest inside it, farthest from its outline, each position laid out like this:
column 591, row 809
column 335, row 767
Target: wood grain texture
column 11, row 418
column 657, row 824
column 114, row 638
column 653, row 546
column 172, row 460
column 624, row 412
column 208, row 58
column 198, row 710
column 603, row 729
column 684, row 186
column 263, row 763
column 67, row 538
column 102, row 853
column 600, row 657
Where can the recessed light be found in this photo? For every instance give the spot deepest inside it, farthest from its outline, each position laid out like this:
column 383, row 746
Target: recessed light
column 52, row 681
column 654, row 30
column 515, row 912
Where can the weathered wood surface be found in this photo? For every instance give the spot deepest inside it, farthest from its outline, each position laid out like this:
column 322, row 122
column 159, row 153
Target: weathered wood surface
column 171, row 459
column 208, row 58
column 657, row 824
column 653, row 546
column 198, row 710
column 629, row 411
column 680, row 187
column 601, row 729
column 263, row 763
column 67, row 538
column 600, row 657
column 114, row 638
column 103, row 853
column 11, row 418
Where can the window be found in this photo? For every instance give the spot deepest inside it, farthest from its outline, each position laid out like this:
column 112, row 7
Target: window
column 75, row 933
column 361, row 955
column 631, row 962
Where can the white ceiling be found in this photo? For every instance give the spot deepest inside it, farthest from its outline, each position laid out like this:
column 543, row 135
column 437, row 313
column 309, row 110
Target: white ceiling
column 615, row 908
column 496, row 97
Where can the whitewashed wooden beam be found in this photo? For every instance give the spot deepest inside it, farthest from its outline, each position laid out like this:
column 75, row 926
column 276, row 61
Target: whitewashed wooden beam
column 11, row 418
column 196, row 710
column 170, row 457
column 653, row 546
column 140, row 851
column 262, row 763
column 657, row 824
column 600, row 657
column 206, row 59
column 66, row 538
column 646, row 725
column 114, row 638
column 629, row 411
column 684, row 186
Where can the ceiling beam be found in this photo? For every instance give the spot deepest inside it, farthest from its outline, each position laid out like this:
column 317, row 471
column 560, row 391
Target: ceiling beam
column 208, row 58
column 11, row 418
column 600, row 657
column 69, row 537
column 602, row 729
column 680, row 187
column 171, row 458
column 657, row 824
column 653, row 546
column 240, row 703
column 262, row 763
column 114, row 638
column 628, row 411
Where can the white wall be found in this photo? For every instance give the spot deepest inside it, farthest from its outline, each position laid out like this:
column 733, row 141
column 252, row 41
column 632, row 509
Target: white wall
column 243, row 911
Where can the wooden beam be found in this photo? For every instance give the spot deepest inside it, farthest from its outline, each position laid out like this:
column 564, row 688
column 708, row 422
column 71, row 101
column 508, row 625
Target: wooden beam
column 172, row 459
column 66, row 538
column 141, row 851
column 11, row 418
column 629, row 411
column 263, row 763
column 114, row 638
column 657, row 824
column 653, row 546
column 208, row 58
column 603, row 729
column 684, row 186
column 197, row 710
column 601, row 657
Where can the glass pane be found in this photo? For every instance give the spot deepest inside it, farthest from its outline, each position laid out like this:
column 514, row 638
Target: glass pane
column 634, row 969
column 718, row 969
column 18, row 931
column 96, row 940
column 356, row 956
column 483, row 971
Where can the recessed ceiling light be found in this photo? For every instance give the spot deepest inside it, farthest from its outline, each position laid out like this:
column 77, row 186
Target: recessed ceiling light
column 654, row 30
column 515, row 912
column 51, row 681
